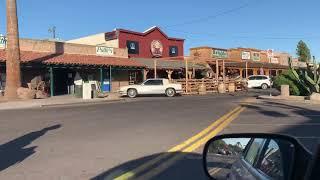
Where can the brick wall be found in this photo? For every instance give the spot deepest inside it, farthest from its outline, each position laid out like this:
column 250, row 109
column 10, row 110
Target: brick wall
column 145, row 43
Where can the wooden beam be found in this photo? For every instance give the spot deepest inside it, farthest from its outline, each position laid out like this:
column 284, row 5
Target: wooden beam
column 51, row 82
column 217, row 69
column 223, row 70
column 155, row 68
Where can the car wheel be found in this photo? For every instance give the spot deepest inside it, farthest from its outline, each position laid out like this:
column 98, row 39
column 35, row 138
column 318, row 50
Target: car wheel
column 264, row 86
column 132, row 93
column 170, row 92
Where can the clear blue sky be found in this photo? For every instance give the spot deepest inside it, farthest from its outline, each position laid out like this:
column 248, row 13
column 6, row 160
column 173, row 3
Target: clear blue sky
column 276, row 24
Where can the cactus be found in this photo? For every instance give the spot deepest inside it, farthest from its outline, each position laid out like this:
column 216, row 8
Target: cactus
column 311, row 84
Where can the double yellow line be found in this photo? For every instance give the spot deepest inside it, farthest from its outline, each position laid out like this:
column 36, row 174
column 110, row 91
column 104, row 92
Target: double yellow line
column 185, row 147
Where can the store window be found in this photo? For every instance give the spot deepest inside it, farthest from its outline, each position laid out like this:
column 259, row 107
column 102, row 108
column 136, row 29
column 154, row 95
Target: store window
column 133, row 47
column 173, row 51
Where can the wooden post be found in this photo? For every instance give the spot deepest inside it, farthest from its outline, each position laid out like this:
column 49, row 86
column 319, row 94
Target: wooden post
column 240, row 72
column 246, row 69
column 51, row 82
column 145, row 72
column 155, row 69
column 223, row 70
column 101, row 79
column 186, row 66
column 267, row 72
column 110, row 78
column 217, row 69
column 169, row 73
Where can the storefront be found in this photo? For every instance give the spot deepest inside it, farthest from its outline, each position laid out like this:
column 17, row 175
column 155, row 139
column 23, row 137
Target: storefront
column 60, row 71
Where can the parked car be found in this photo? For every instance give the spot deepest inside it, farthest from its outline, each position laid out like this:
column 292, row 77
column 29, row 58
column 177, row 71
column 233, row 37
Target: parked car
column 152, row 86
column 259, row 81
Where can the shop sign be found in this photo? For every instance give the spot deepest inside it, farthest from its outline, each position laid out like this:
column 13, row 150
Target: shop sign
column 217, row 53
column 156, row 48
column 3, row 42
column 274, row 60
column 245, row 55
column 270, row 53
column 256, row 56
column 104, row 51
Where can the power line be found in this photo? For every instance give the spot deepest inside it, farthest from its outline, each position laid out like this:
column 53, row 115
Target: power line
column 212, row 16
column 247, row 37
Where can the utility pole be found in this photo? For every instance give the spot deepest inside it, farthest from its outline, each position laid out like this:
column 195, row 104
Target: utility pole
column 53, row 31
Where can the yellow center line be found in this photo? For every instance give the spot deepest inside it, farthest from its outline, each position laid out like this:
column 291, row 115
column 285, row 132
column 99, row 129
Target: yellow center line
column 178, row 148
column 163, row 166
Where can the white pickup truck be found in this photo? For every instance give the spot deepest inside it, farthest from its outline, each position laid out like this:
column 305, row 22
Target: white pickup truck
column 152, row 86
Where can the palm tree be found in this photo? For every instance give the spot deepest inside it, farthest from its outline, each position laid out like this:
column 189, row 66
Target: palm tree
column 13, row 81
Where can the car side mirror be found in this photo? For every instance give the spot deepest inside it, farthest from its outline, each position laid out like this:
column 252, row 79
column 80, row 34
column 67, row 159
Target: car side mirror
column 265, row 156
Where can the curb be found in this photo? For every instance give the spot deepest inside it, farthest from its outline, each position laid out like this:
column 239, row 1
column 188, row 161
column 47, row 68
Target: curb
column 81, row 103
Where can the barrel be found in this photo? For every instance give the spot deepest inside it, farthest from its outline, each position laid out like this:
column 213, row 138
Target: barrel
column 221, row 87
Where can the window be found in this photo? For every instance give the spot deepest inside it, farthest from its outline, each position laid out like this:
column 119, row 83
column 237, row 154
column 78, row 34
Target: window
column 173, row 51
column 259, row 78
column 271, row 163
column 253, row 150
column 252, row 78
column 133, row 47
column 153, row 82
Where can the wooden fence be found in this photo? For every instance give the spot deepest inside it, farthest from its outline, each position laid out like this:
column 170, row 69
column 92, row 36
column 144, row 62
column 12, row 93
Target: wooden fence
column 211, row 85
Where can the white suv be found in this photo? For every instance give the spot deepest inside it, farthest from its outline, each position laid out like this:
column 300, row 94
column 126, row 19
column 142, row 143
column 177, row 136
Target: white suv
column 257, row 81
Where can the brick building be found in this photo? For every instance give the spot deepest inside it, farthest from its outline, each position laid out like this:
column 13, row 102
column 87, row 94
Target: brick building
column 59, row 62
column 138, row 43
column 153, row 48
column 239, row 61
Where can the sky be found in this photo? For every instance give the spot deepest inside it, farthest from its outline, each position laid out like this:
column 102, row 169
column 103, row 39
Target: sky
column 262, row 24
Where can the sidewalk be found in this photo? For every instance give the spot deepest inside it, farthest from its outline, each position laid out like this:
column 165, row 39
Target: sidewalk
column 55, row 101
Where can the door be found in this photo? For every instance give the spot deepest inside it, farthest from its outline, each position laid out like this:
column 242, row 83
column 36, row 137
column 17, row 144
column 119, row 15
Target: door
column 152, row 86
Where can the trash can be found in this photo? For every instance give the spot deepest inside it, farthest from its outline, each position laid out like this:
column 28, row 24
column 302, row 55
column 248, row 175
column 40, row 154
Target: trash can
column 78, row 91
column 106, row 86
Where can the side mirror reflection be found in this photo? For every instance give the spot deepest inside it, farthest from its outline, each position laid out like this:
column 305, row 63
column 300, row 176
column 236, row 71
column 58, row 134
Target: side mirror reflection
column 249, row 157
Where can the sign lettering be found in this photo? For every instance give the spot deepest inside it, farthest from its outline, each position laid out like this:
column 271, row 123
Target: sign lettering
column 104, row 51
column 245, row 55
column 256, row 56
column 3, row 42
column 217, row 53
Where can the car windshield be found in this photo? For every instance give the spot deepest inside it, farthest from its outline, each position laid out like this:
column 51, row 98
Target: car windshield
column 123, row 89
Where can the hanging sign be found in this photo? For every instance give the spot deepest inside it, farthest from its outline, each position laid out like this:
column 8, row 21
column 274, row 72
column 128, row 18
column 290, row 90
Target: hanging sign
column 270, row 53
column 3, row 42
column 217, row 53
column 245, row 55
column 156, row 48
column 104, row 51
column 256, row 56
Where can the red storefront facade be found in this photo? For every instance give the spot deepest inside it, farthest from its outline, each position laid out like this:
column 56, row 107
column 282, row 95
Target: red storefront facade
column 139, row 44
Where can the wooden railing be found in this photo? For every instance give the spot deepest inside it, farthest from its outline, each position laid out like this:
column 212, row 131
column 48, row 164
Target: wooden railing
column 210, row 84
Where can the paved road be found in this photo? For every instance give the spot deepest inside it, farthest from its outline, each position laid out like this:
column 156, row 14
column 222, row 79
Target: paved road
column 107, row 140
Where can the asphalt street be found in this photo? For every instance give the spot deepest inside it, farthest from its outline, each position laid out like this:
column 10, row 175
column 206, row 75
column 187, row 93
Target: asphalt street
column 104, row 141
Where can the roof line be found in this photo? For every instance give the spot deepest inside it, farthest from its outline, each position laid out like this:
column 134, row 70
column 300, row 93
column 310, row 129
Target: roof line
column 149, row 31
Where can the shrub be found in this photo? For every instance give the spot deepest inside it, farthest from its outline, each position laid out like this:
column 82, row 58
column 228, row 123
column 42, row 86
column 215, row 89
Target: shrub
column 283, row 80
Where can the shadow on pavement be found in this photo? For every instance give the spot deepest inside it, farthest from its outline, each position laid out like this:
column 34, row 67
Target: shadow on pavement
column 307, row 131
column 187, row 166
column 15, row 152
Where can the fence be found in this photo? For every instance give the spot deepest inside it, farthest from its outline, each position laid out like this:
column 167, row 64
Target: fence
column 210, row 84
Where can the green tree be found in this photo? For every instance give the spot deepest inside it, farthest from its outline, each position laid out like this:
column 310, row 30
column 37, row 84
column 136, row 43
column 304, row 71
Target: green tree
column 303, row 52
